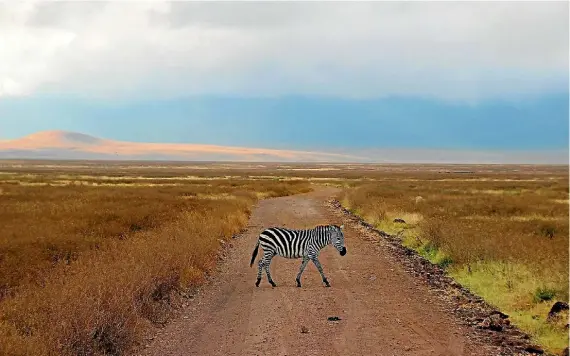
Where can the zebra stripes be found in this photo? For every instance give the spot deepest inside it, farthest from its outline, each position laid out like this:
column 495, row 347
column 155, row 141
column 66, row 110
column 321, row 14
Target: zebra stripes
column 305, row 244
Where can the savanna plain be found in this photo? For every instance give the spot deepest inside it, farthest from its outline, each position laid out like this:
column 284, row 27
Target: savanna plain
column 95, row 254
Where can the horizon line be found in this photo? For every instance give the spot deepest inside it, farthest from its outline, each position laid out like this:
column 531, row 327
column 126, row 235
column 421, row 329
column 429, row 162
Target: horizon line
column 72, row 145
column 331, row 163
column 300, row 150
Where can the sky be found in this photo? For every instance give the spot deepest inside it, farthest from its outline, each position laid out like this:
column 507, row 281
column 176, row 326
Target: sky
column 294, row 75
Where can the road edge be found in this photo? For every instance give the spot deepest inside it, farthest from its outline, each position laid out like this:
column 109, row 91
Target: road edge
column 488, row 324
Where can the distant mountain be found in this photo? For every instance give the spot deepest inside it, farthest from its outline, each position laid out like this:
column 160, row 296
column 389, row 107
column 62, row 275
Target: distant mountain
column 78, row 146
column 74, row 145
column 54, row 139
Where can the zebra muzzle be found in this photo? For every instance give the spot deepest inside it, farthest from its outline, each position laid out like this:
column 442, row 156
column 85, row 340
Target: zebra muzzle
column 343, row 251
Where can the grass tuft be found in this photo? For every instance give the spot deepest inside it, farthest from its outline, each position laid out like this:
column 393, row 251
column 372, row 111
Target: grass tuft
column 543, row 294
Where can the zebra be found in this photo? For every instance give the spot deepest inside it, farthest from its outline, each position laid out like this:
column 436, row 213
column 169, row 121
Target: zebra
column 293, row 244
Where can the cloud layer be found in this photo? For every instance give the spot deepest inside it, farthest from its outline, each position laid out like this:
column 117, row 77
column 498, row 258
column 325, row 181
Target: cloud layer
column 123, row 49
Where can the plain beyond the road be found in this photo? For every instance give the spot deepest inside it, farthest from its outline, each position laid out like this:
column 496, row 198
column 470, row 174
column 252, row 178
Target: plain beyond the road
column 382, row 309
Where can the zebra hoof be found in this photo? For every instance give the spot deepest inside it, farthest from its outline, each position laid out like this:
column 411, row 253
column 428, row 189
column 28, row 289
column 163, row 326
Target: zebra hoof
column 298, row 284
column 327, row 283
column 273, row 284
column 257, row 282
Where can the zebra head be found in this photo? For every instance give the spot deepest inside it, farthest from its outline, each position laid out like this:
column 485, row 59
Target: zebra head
column 337, row 239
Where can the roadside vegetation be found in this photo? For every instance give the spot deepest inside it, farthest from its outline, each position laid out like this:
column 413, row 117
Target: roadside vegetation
column 505, row 237
column 87, row 264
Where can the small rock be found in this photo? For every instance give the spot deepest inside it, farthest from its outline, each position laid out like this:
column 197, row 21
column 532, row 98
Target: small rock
column 500, row 314
column 372, row 278
column 556, row 309
column 400, row 221
column 334, row 318
column 534, row 349
column 304, row 330
column 494, row 322
column 485, row 324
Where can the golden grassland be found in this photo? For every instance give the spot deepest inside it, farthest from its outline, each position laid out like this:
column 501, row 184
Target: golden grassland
column 92, row 254
column 504, row 237
column 85, row 268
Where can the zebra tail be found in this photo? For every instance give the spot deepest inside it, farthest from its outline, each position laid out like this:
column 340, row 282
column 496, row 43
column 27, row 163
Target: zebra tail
column 254, row 255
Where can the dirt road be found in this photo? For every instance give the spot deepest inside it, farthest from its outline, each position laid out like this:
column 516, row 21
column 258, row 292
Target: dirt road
column 383, row 309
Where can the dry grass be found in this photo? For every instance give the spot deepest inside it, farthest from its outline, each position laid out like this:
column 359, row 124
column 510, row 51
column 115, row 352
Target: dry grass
column 85, row 270
column 477, row 227
column 92, row 254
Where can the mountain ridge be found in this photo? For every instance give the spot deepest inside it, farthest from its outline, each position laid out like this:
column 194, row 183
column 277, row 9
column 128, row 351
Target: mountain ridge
column 70, row 145
column 61, row 144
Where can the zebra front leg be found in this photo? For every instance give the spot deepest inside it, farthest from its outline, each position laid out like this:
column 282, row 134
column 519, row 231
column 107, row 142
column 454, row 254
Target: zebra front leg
column 267, row 265
column 320, row 268
column 303, row 265
column 260, row 268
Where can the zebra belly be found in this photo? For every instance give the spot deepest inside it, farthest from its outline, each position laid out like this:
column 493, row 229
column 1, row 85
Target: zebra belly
column 286, row 254
column 291, row 257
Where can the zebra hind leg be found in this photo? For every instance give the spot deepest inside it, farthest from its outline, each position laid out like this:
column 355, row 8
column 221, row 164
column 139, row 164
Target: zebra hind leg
column 259, row 271
column 303, row 265
column 320, row 268
column 267, row 265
